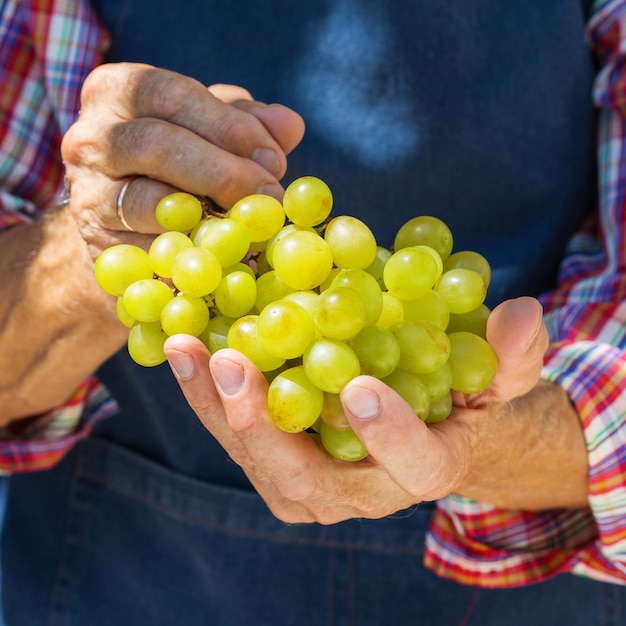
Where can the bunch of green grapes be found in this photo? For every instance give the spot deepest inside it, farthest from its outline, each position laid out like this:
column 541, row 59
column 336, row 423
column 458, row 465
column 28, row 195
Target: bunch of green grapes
column 313, row 301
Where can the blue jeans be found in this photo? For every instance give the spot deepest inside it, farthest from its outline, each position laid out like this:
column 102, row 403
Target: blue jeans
column 139, row 544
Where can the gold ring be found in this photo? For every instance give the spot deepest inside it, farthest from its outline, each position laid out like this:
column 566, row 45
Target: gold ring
column 120, row 203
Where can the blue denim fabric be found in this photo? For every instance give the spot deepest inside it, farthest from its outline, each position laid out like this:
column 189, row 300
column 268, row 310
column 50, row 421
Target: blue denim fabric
column 140, row 544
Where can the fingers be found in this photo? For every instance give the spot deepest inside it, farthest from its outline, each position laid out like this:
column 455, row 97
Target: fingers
column 516, row 332
column 418, row 459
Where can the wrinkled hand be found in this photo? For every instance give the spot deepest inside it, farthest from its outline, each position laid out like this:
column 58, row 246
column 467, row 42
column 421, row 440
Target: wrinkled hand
column 174, row 134
column 409, row 462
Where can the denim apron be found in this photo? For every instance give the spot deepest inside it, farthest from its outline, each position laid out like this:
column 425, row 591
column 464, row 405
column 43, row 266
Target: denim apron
column 474, row 110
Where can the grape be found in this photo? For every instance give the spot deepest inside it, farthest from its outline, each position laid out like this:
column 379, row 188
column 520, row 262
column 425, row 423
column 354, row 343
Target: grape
column 179, row 211
column 145, row 343
column 236, row 294
column 343, row 444
column 243, row 336
column 367, row 288
column 474, row 322
column 431, row 307
column 377, row 349
column 228, row 239
column 469, row 260
column 333, row 413
column 410, row 273
column 463, row 290
column 302, row 259
column 269, row 288
column 144, row 299
column 425, row 230
column 339, row 313
column 263, row 215
column 215, row 334
column 378, row 265
column 424, row 347
column 412, row 390
column 473, row 362
column 330, row 364
column 293, row 401
column 119, row 266
column 164, row 250
column 285, row 329
column 185, row 314
column 196, row 271
column 352, row 243
column 313, row 301
column 392, row 311
column 308, row 201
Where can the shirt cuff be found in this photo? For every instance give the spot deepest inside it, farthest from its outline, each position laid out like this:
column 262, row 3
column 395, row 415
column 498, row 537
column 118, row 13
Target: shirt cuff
column 478, row 544
column 39, row 443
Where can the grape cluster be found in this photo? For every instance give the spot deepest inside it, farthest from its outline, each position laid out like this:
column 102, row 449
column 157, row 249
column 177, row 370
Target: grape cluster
column 313, row 301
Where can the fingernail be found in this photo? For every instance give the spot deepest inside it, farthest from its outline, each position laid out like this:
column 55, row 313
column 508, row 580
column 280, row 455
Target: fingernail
column 276, row 191
column 268, row 159
column 182, row 364
column 362, row 403
column 228, row 376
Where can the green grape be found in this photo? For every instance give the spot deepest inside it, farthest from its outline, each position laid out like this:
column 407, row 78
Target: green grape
column 339, row 313
column 410, row 273
column 144, row 299
column 122, row 313
column 283, row 232
column 411, row 389
column 145, row 344
column 263, row 215
column 367, row 288
column 425, row 230
column 119, row 266
column 243, row 336
column 228, row 239
column 285, row 329
column 293, row 401
column 307, row 299
column 431, row 307
column 196, row 272
column 179, row 211
column 269, row 288
column 392, row 311
column 330, row 364
column 473, row 362
column 302, row 259
column 164, row 249
column 333, row 413
column 235, row 296
column 185, row 314
column 424, row 347
column 238, row 267
column 308, row 201
column 378, row 265
column 463, row 290
column 351, row 241
column 440, row 409
column 473, row 322
column 342, row 444
column 377, row 349
column 438, row 382
column 215, row 334
column 195, row 236
column 469, row 260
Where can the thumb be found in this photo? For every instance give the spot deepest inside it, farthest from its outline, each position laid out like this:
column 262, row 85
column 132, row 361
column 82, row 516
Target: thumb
column 516, row 332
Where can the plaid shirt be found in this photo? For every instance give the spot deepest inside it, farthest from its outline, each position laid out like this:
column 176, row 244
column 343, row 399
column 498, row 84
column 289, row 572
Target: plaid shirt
column 49, row 46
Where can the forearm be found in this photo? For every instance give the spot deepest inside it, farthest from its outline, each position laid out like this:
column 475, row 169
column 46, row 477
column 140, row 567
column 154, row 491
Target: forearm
column 56, row 325
column 529, row 454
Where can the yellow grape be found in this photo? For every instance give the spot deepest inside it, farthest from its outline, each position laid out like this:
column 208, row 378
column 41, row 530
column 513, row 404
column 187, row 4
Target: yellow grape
column 343, row 443
column 339, row 313
column 145, row 343
column 308, row 201
column 228, row 239
column 243, row 336
column 263, row 215
column 425, row 230
column 185, row 314
column 330, row 364
column 121, row 265
column 473, row 362
column 179, row 211
column 285, row 329
column 351, row 241
column 144, row 299
column 196, row 271
column 164, row 249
